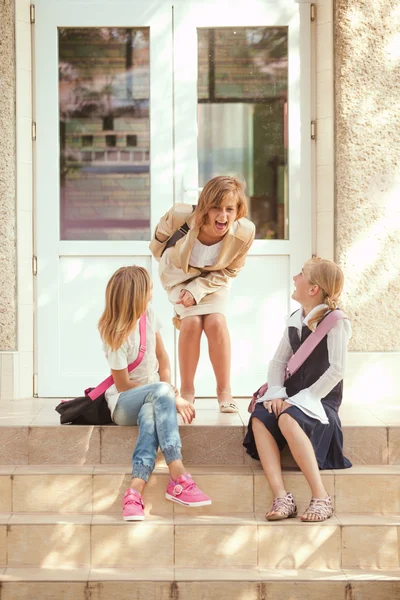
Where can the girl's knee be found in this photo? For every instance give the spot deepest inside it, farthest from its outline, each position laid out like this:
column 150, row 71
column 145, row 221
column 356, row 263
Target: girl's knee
column 192, row 325
column 256, row 423
column 285, row 421
column 214, row 322
column 164, row 390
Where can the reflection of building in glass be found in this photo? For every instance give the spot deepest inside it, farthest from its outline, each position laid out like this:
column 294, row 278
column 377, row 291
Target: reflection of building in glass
column 242, row 117
column 104, row 133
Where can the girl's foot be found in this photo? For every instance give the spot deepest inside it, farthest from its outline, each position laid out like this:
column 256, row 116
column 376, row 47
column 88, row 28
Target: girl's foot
column 226, row 403
column 188, row 395
column 320, row 509
column 282, row 508
column 133, row 507
column 185, row 491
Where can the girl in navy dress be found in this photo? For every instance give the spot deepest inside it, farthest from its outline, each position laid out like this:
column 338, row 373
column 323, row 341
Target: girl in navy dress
column 303, row 410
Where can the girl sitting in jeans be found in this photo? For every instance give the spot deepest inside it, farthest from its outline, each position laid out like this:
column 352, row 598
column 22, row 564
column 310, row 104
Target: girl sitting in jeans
column 303, row 410
column 144, row 396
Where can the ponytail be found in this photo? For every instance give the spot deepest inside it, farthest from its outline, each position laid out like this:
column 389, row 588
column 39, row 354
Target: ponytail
column 329, row 278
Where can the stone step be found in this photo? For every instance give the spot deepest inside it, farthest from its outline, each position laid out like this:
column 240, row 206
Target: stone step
column 237, row 489
column 216, row 443
column 203, row 541
column 197, row 584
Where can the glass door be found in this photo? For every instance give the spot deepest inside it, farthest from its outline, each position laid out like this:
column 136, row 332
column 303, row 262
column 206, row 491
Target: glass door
column 137, row 105
column 241, row 108
column 104, row 164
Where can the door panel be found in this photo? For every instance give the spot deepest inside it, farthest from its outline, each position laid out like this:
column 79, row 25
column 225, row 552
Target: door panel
column 241, row 110
column 104, row 159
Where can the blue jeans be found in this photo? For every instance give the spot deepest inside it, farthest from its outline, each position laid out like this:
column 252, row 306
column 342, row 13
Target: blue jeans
column 152, row 407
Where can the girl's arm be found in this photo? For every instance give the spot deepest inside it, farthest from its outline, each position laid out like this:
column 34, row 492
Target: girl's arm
column 277, row 370
column 309, row 399
column 167, row 226
column 183, row 407
column 164, row 367
column 122, row 381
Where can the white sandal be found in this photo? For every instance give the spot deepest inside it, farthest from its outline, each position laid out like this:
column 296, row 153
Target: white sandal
column 228, row 407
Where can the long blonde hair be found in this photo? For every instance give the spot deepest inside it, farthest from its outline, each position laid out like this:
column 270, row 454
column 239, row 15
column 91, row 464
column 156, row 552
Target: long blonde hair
column 328, row 276
column 215, row 192
column 127, row 296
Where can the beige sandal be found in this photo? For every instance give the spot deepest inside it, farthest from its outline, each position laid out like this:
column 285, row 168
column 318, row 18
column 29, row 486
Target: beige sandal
column 228, row 405
column 282, row 508
column 320, row 509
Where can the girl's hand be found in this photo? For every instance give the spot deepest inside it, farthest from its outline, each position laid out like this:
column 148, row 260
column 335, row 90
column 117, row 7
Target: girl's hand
column 185, row 409
column 186, row 298
column 276, row 406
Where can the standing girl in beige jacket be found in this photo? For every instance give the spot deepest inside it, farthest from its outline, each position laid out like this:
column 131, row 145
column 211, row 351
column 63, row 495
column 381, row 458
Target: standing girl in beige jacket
column 196, row 268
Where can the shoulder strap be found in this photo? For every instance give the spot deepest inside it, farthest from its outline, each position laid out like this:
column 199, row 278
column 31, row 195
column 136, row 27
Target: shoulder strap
column 313, row 340
column 177, row 235
column 104, row 385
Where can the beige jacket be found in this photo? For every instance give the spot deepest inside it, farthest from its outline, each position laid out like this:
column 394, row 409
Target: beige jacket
column 174, row 266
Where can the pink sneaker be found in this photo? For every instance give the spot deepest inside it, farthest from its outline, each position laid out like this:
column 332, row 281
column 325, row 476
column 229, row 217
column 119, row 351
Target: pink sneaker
column 185, row 491
column 133, row 507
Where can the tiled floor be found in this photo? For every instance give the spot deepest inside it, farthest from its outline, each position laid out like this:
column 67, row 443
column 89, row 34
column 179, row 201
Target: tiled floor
column 40, row 412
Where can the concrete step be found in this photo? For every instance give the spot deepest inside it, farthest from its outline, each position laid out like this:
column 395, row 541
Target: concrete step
column 197, row 584
column 203, row 541
column 217, row 443
column 236, row 489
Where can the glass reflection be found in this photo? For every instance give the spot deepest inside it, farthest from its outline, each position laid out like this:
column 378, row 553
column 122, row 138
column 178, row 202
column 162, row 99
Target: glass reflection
column 242, row 117
column 104, row 133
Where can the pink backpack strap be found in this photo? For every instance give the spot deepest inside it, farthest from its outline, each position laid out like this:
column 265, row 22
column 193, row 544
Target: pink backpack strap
column 313, row 340
column 104, row 385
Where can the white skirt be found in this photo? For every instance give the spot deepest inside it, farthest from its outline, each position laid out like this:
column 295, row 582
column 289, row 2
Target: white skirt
column 217, row 302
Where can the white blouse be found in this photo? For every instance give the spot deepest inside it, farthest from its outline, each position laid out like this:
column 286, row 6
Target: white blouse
column 309, row 399
column 204, row 256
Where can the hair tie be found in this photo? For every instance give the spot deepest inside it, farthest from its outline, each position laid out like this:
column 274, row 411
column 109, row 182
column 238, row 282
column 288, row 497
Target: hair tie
column 330, row 303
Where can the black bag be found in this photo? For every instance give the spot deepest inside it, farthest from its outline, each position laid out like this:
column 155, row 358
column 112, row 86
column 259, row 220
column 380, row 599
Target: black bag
column 92, row 408
column 85, row 411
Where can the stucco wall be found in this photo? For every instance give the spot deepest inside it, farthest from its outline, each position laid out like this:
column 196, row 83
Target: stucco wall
column 367, row 87
column 7, row 178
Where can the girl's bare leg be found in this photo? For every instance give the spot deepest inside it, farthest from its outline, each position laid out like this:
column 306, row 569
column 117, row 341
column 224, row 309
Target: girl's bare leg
column 189, row 353
column 270, row 458
column 138, row 484
column 219, row 348
column 303, row 453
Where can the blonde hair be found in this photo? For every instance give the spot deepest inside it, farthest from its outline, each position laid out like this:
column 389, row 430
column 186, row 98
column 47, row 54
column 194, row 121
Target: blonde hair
column 214, row 193
column 127, row 296
column 328, row 276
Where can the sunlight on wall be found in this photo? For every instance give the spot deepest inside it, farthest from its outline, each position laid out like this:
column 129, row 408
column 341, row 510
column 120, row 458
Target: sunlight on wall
column 372, row 376
column 393, row 49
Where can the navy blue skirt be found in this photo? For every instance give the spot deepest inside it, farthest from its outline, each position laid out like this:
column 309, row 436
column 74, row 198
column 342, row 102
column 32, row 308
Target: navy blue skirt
column 327, row 440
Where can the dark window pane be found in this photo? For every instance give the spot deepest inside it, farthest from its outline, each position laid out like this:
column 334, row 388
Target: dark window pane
column 87, row 140
column 131, row 140
column 111, row 141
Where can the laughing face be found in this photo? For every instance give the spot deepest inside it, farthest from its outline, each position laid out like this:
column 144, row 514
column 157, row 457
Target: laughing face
column 220, row 218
